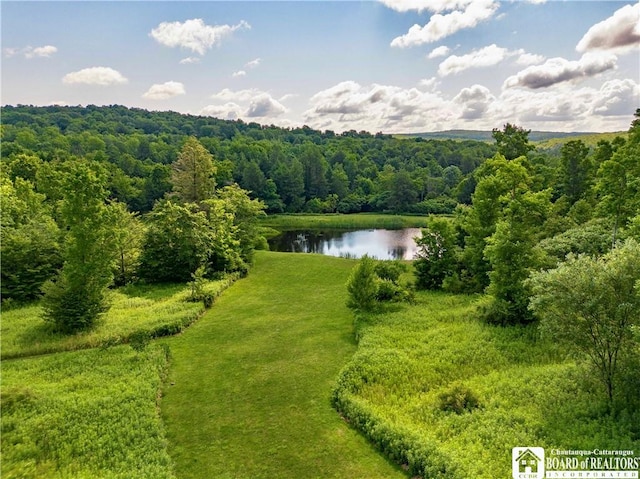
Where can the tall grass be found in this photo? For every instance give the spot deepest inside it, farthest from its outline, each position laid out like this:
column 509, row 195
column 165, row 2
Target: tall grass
column 406, row 389
column 84, row 414
column 343, row 221
column 154, row 310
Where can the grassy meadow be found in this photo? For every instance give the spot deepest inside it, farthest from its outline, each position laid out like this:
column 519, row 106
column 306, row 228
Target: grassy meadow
column 342, row 221
column 84, row 414
column 449, row 396
column 152, row 310
column 249, row 388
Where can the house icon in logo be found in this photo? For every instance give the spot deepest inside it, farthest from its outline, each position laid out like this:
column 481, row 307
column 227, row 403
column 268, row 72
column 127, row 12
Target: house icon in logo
column 528, row 462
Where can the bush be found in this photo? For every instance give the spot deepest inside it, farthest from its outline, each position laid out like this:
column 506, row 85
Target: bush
column 362, row 286
column 459, row 399
column 390, row 270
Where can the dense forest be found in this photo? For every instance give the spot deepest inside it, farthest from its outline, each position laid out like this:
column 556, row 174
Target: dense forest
column 290, row 170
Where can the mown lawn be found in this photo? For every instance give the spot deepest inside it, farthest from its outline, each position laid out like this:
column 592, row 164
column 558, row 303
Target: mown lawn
column 248, row 395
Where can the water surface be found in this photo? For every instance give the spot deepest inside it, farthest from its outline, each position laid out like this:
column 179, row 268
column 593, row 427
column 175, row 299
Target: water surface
column 377, row 243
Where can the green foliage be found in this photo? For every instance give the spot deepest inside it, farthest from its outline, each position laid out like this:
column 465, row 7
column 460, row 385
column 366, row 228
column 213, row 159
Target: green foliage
column 75, row 300
column 593, row 304
column 176, row 243
column 390, row 270
column 363, row 286
column 84, row 414
column 576, row 170
column 458, row 399
column 30, row 246
column 193, row 173
column 436, row 255
column 127, row 234
column 512, row 141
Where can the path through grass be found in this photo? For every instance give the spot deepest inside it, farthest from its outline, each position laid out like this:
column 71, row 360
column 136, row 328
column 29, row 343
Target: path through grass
column 249, row 389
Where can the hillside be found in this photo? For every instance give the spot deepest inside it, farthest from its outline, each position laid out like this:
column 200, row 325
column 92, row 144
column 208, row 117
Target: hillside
column 543, row 139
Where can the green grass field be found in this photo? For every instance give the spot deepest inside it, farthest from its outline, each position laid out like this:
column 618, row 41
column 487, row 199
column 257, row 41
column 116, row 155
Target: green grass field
column 340, row 221
column 85, row 414
column 157, row 310
column 250, row 383
column 405, row 389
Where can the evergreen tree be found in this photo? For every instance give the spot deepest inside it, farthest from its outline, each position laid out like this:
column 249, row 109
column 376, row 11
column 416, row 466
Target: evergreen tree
column 193, row 173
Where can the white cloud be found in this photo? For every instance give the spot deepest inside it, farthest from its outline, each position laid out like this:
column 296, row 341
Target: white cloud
column 164, row 91
column 45, row 51
column 525, row 58
column 253, row 63
column 485, row 57
column 264, row 105
column 194, row 34
column 439, row 52
column 228, row 111
column 349, row 105
column 249, row 103
column 475, row 101
column 239, row 73
column 420, row 5
column 617, row 98
column 559, row 70
column 102, row 76
column 31, row 52
column 188, row 60
column 619, row 32
column 441, row 26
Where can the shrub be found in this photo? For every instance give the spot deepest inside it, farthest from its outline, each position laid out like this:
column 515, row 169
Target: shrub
column 362, row 286
column 458, row 399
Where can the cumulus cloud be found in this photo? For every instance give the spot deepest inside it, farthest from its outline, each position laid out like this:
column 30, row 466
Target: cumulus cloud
column 188, row 60
column 439, row 52
column 194, row 34
column 617, row 98
column 264, row 105
column 239, row 73
column 559, row 70
column 619, row 32
column 474, row 101
column 525, row 58
column 102, row 76
column 441, row 26
column 375, row 107
column 484, row 57
column 164, row 91
column 248, row 103
column 228, row 111
column 253, row 63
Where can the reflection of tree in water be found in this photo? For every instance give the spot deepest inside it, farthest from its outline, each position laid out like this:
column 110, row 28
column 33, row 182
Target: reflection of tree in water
column 382, row 244
column 397, row 253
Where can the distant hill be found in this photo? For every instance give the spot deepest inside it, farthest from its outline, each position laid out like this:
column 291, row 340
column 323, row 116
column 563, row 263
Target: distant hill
column 543, row 139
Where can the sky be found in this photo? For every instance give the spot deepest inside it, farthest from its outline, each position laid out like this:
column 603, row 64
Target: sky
column 395, row 66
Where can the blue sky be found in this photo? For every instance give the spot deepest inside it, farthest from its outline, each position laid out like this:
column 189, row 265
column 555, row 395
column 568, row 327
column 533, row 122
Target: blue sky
column 390, row 65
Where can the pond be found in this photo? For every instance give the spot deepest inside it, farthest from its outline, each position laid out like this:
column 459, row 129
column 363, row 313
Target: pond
column 377, row 243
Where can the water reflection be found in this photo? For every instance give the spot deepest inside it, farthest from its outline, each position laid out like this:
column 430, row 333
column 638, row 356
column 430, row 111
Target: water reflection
column 378, row 243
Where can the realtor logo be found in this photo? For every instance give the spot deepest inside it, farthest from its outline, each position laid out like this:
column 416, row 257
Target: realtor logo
column 528, row 462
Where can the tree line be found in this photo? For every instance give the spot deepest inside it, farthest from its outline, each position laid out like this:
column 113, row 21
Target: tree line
column 290, row 170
